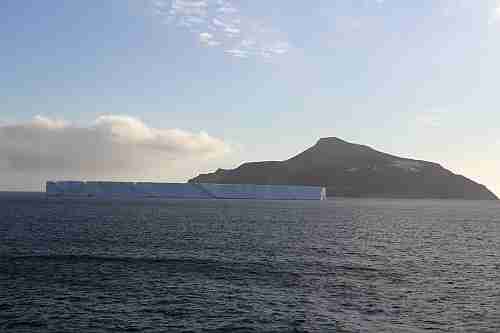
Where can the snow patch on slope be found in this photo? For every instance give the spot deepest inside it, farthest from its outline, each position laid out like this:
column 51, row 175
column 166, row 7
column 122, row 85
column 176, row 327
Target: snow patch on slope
column 409, row 166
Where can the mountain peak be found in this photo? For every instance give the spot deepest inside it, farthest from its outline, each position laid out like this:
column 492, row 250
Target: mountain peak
column 331, row 140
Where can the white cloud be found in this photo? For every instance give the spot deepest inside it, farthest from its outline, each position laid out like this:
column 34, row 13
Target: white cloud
column 221, row 23
column 189, row 8
column 237, row 53
column 207, row 39
column 112, row 146
column 226, row 7
column 496, row 14
column 44, row 122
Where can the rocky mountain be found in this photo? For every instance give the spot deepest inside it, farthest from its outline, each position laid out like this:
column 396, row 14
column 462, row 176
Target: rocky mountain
column 353, row 170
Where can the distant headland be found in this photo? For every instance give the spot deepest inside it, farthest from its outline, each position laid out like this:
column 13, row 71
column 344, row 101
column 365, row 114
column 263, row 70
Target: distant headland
column 353, row 170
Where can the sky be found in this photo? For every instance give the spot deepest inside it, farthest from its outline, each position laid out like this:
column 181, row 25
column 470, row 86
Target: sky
column 162, row 90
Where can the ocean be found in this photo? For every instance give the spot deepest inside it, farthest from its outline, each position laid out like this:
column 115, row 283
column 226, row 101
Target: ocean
column 341, row 265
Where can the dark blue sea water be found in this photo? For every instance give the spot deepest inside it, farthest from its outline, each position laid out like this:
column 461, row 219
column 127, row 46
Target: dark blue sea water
column 343, row 265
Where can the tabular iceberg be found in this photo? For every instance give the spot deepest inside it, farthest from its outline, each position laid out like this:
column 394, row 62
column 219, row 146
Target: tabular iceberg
column 184, row 191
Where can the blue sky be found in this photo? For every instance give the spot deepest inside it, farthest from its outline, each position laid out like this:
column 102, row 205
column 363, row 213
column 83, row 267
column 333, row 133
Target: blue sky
column 263, row 79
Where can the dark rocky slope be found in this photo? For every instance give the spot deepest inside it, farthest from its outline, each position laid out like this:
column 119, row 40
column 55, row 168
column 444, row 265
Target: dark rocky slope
column 353, row 170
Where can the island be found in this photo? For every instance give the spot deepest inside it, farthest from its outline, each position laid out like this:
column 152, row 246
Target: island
column 353, row 170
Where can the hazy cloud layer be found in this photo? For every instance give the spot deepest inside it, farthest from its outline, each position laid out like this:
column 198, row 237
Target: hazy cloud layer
column 112, row 146
column 220, row 23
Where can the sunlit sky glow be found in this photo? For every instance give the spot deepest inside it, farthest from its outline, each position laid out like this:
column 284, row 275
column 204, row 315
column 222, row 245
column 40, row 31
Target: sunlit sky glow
column 170, row 88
